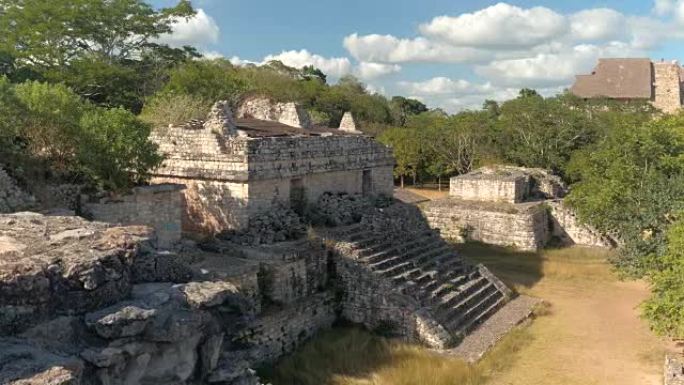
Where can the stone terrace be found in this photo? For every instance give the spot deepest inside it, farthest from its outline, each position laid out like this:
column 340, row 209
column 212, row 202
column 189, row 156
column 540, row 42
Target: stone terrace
column 406, row 276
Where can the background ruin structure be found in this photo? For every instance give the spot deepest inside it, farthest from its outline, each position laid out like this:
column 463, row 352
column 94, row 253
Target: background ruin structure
column 510, row 206
column 634, row 79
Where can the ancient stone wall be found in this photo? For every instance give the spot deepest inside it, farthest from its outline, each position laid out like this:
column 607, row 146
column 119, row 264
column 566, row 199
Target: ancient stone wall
column 524, row 226
column 210, row 206
column 491, row 189
column 292, row 157
column 276, row 333
column 570, row 231
column 158, row 206
column 667, row 84
column 12, row 198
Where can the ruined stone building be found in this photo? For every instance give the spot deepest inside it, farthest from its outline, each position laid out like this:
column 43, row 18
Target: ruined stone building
column 129, row 302
column 271, row 155
column 510, row 206
column 634, row 79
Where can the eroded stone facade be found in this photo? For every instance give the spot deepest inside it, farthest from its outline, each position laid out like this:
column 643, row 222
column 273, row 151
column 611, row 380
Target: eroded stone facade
column 231, row 178
column 510, row 206
column 158, row 206
column 263, row 108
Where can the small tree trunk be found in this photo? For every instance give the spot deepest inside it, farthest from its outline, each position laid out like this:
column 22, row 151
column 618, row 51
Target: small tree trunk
column 401, row 179
column 439, row 183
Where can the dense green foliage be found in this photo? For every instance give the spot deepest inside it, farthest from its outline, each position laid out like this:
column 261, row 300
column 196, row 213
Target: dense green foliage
column 54, row 127
column 664, row 309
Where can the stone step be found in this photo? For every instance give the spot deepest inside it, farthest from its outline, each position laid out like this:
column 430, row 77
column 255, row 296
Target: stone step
column 429, row 258
column 375, row 254
column 418, row 254
column 491, row 304
column 456, row 281
column 434, row 285
column 476, row 294
column 425, row 262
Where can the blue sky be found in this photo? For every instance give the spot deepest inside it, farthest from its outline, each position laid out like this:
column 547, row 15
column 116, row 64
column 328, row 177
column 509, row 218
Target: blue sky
column 450, row 54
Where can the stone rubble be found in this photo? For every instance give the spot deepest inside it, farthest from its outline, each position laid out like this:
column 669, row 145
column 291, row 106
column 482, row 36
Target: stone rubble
column 279, row 225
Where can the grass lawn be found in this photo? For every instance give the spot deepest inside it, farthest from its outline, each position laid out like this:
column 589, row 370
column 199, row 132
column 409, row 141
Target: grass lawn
column 589, row 333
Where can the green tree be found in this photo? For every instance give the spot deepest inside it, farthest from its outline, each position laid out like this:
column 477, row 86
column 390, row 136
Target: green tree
column 106, row 51
column 209, row 80
column 114, row 149
column 631, row 184
column 407, row 145
column 537, row 132
column 664, row 309
column 402, row 108
column 51, row 33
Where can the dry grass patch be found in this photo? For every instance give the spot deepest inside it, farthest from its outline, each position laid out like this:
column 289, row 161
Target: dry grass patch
column 351, row 356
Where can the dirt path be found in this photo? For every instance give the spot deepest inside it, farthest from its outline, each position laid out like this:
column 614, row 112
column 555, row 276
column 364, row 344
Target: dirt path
column 592, row 334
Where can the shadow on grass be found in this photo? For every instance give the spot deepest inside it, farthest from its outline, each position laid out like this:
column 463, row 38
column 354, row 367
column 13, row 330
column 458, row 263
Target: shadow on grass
column 352, row 356
column 524, row 269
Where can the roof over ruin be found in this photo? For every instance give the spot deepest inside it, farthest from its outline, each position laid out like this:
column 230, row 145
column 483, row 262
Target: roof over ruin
column 624, row 78
column 257, row 128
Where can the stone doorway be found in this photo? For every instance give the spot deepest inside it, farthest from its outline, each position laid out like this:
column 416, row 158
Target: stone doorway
column 366, row 183
column 297, row 195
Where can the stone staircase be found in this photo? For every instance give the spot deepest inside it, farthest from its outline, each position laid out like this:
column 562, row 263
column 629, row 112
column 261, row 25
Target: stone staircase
column 419, row 264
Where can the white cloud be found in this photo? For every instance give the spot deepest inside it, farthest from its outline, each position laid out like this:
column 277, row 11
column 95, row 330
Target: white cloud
column 335, row 66
column 598, row 24
column 390, row 49
column 501, row 25
column 369, row 70
column 443, row 86
column 663, row 7
column 552, row 69
column 199, row 30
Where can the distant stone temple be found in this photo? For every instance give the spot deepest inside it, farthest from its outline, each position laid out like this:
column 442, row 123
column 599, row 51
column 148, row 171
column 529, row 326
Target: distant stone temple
column 510, row 206
column 270, row 156
column 634, row 79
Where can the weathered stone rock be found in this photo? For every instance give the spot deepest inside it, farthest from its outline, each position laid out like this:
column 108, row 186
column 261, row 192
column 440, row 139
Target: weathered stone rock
column 23, row 363
column 220, row 119
column 265, row 109
column 63, row 264
column 120, row 321
column 208, row 294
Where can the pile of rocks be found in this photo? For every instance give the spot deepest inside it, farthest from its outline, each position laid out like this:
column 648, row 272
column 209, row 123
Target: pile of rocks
column 12, row 198
column 338, row 209
column 277, row 225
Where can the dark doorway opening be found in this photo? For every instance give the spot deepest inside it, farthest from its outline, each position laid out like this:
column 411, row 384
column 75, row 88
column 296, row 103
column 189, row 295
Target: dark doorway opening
column 366, row 183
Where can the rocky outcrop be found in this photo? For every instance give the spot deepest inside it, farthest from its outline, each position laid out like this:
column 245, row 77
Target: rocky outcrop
column 263, row 108
column 62, row 264
column 12, row 198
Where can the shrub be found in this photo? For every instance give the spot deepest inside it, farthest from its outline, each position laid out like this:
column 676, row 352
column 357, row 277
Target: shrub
column 114, row 149
column 165, row 109
column 664, row 309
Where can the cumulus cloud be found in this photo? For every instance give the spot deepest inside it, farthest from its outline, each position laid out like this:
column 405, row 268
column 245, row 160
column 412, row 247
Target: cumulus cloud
column 598, row 24
column 199, row 30
column 444, row 86
column 552, row 69
column 501, row 25
column 369, row 70
column 390, row 49
column 336, row 66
